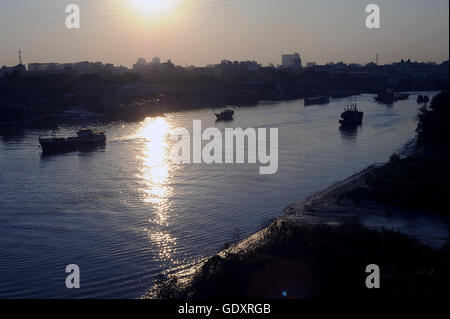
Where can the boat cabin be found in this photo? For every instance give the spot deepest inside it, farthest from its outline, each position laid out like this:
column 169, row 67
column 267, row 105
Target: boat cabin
column 85, row 133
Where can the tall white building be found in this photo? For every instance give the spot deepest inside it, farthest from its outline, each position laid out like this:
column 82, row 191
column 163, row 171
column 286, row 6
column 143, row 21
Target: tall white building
column 291, row 61
column 141, row 62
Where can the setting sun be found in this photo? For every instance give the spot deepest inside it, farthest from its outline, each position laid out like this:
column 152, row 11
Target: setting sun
column 153, row 6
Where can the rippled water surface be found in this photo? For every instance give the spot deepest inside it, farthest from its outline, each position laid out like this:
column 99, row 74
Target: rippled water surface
column 125, row 213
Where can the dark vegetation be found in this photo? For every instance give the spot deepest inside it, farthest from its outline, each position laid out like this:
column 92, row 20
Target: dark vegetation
column 266, row 83
column 420, row 181
column 412, row 182
column 309, row 261
column 432, row 128
column 180, row 88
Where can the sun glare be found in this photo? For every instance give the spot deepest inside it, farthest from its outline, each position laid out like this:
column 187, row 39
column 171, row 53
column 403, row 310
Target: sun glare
column 155, row 178
column 150, row 7
column 155, row 168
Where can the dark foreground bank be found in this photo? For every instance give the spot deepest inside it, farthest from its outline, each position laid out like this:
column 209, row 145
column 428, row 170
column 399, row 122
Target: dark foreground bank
column 322, row 246
column 308, row 261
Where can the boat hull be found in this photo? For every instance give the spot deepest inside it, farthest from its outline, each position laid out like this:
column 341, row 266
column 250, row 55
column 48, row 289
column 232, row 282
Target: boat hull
column 389, row 98
column 351, row 118
column 224, row 116
column 317, row 100
column 51, row 147
column 350, row 123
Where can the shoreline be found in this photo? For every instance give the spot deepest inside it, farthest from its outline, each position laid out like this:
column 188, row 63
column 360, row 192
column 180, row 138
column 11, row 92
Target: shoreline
column 54, row 114
column 331, row 207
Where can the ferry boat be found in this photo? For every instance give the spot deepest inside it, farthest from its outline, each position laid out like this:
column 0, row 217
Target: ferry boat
column 317, row 100
column 351, row 117
column 225, row 115
column 390, row 97
column 86, row 138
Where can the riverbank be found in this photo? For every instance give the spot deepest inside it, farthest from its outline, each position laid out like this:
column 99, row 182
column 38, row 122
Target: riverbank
column 320, row 247
column 394, row 215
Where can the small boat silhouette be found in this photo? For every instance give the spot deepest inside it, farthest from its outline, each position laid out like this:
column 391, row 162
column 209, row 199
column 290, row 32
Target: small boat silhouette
column 85, row 138
column 351, row 116
column 225, row 115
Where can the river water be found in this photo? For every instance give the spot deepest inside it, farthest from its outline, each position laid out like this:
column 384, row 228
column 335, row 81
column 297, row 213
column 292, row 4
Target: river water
column 124, row 213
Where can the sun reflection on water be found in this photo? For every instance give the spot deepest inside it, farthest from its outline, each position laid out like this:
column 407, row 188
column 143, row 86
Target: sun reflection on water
column 154, row 176
column 154, row 157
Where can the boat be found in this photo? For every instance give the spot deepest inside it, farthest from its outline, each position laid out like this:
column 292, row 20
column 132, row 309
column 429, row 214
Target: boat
column 225, row 115
column 351, row 116
column 317, row 100
column 390, row 97
column 423, row 99
column 85, row 139
column 401, row 96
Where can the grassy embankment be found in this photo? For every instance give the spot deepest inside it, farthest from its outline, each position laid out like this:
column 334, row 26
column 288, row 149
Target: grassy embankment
column 318, row 261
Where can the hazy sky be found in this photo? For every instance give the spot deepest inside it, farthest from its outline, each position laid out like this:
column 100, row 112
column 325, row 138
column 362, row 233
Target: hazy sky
column 200, row 32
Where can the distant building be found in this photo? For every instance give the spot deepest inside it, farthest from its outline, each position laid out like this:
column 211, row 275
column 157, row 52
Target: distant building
column 37, row 67
column 50, row 67
column 19, row 68
column 143, row 66
column 291, row 61
column 310, row 64
column 340, row 67
column 251, row 65
column 141, row 61
column 77, row 68
column 83, row 66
